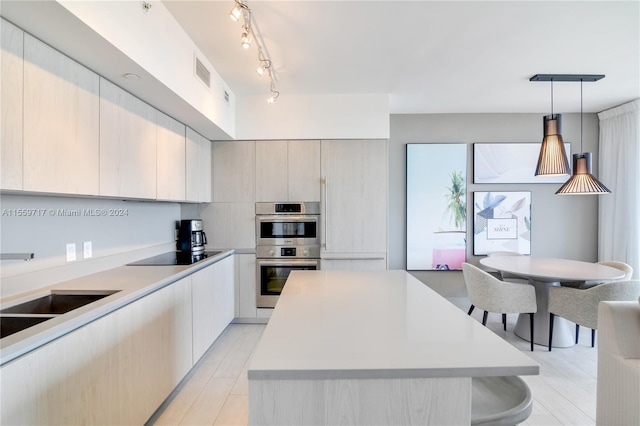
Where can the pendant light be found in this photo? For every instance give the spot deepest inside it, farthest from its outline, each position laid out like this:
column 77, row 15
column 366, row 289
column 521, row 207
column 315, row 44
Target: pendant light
column 582, row 181
column 552, row 160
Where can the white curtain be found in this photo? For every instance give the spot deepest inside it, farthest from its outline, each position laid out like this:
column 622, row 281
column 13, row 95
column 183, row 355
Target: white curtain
column 619, row 170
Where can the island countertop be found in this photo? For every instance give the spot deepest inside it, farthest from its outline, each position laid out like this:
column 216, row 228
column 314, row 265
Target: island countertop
column 376, row 324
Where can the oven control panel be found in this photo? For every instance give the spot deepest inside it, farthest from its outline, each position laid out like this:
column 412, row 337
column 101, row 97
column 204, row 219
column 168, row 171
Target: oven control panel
column 300, row 252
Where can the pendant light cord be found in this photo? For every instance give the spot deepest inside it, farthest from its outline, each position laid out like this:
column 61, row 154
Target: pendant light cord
column 581, row 151
column 552, row 99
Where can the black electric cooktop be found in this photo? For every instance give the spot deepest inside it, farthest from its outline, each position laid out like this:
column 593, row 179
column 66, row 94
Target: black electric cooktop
column 175, row 258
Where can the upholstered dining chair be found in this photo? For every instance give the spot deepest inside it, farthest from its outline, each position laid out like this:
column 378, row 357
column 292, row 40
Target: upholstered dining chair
column 506, row 276
column 627, row 269
column 493, row 295
column 580, row 306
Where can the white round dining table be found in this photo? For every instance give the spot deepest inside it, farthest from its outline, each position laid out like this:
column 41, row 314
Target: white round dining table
column 543, row 273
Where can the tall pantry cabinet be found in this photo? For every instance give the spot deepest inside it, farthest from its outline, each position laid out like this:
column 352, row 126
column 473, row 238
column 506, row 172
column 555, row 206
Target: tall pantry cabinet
column 354, row 192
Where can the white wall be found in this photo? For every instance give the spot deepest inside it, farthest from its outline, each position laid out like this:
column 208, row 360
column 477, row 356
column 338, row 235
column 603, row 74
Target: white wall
column 562, row 226
column 313, row 117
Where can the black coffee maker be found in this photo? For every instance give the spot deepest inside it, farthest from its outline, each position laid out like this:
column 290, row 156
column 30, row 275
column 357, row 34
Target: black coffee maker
column 191, row 236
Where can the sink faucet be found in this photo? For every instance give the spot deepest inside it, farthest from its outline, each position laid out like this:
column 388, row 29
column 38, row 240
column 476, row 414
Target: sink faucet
column 16, row 256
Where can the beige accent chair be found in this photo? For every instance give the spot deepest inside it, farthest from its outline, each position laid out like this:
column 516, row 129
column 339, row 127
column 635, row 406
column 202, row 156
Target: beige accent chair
column 618, row 385
column 492, row 295
column 627, row 269
column 581, row 306
column 506, row 276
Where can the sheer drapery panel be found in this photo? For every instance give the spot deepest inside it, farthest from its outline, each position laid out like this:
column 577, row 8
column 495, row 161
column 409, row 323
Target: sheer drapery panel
column 619, row 167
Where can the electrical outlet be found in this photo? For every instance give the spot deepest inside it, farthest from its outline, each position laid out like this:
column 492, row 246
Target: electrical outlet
column 71, row 252
column 87, row 249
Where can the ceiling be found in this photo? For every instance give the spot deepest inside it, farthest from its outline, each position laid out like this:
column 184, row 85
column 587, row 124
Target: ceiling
column 429, row 56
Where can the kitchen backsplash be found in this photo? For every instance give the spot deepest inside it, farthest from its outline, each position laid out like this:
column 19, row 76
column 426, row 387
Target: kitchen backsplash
column 44, row 225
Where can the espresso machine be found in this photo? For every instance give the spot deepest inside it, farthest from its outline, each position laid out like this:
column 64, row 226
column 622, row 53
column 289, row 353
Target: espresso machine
column 191, row 236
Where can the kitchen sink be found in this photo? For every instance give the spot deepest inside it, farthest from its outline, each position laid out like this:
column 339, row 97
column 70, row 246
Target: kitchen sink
column 56, row 303
column 27, row 314
column 10, row 325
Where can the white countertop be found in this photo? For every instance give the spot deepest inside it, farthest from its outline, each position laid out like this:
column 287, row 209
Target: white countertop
column 376, row 324
column 130, row 282
column 552, row 270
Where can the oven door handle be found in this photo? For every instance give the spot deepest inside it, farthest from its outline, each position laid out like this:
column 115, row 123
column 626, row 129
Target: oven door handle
column 292, row 262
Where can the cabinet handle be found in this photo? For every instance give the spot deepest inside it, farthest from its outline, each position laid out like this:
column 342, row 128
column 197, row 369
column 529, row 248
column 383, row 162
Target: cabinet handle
column 323, row 242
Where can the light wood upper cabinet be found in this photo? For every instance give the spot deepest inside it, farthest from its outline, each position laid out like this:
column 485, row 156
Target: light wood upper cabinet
column 272, row 175
column 61, row 122
column 11, row 81
column 198, row 167
column 127, row 144
column 288, row 170
column 355, row 216
column 171, row 149
column 304, row 170
column 234, row 166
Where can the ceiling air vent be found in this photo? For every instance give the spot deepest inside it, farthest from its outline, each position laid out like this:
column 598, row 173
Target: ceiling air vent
column 203, row 73
column 226, row 96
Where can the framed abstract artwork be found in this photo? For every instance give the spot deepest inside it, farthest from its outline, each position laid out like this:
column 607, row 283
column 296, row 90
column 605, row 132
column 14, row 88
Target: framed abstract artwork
column 501, row 222
column 436, row 206
column 510, row 163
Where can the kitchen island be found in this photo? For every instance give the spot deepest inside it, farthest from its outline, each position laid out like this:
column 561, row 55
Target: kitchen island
column 371, row 347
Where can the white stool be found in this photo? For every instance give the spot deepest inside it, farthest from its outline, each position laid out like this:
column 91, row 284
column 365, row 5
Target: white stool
column 500, row 400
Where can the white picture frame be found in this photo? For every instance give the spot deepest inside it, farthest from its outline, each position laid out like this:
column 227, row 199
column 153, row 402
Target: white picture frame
column 501, row 222
column 510, row 163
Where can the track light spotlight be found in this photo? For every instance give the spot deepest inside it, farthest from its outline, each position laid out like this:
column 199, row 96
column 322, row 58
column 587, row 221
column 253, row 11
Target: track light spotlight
column 245, row 38
column 242, row 11
column 237, row 11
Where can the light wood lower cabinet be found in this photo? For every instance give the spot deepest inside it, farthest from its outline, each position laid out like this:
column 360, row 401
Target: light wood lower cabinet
column 246, row 285
column 377, row 263
column 213, row 304
column 116, row 370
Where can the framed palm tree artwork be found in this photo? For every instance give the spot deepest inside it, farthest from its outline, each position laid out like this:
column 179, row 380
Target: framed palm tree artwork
column 436, row 206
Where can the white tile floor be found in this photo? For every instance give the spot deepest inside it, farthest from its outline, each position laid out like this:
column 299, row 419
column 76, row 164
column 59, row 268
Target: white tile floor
column 215, row 392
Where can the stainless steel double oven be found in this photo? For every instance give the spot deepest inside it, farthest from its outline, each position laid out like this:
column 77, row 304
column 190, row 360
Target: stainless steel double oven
column 287, row 239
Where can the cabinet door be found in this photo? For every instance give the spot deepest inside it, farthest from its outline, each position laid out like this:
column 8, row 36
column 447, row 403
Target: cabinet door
column 288, row 170
column 171, row 158
column 234, row 165
column 202, row 284
column 115, row 370
column 304, row 170
column 198, row 170
column 272, row 176
column 127, row 144
column 355, row 190
column 223, row 295
column 11, row 81
column 377, row 264
column 246, row 285
column 61, row 122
